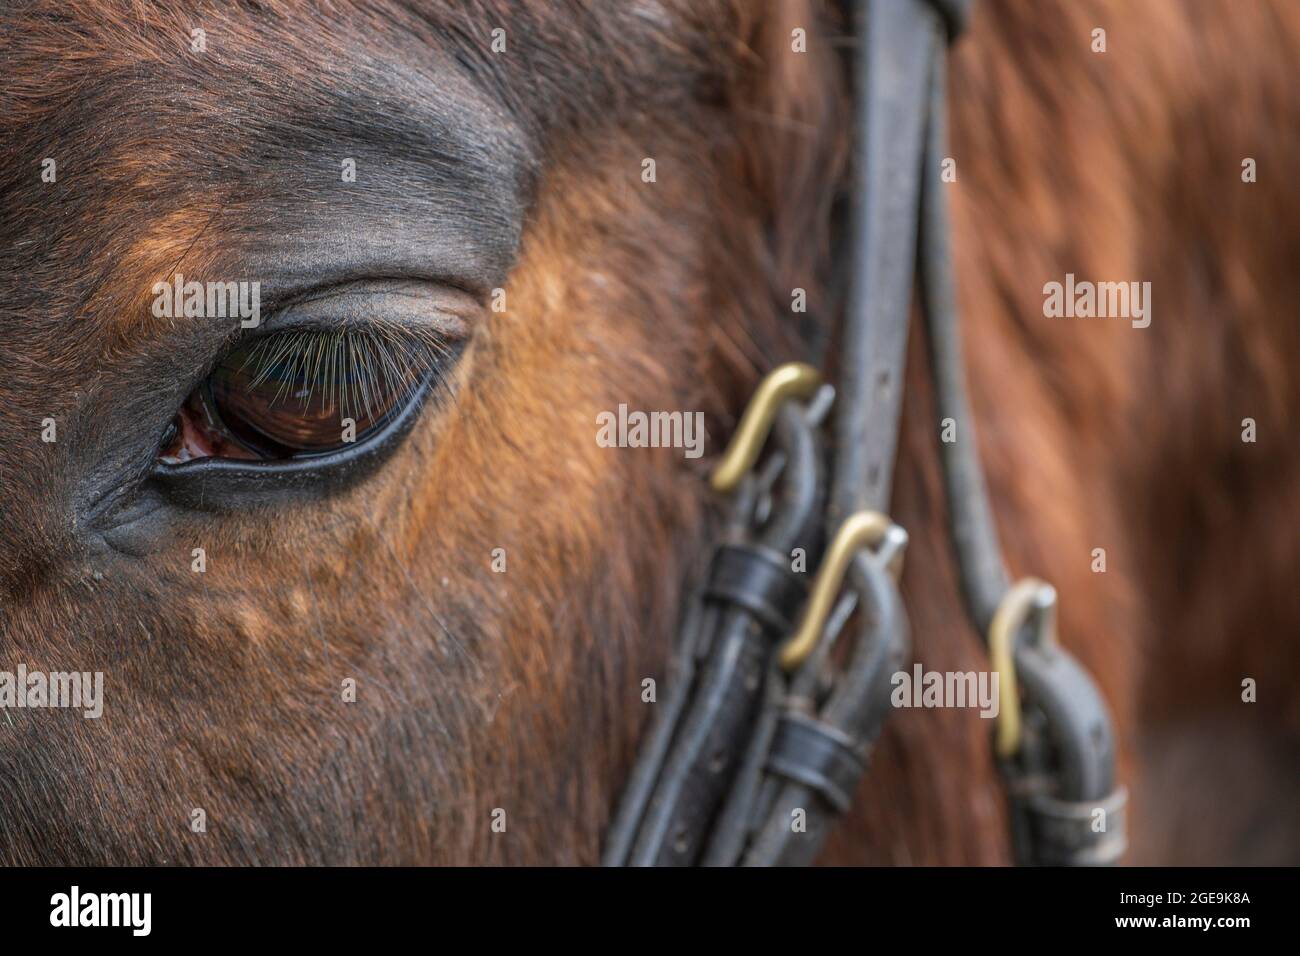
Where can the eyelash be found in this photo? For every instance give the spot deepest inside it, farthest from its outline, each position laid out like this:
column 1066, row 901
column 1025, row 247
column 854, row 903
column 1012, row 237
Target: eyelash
column 306, row 392
column 406, row 355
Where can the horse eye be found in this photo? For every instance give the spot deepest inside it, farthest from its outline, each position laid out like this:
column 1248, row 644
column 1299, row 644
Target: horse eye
column 297, row 394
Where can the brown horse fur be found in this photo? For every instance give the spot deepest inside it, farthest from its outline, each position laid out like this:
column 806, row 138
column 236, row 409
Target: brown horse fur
column 521, row 690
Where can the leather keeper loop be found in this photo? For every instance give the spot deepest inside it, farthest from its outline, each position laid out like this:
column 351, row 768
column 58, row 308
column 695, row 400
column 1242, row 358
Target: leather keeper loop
column 818, row 756
column 758, row 580
column 1065, row 833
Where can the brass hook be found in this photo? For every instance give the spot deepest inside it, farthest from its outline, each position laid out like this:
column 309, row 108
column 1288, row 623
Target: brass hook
column 863, row 529
column 1023, row 599
column 792, row 380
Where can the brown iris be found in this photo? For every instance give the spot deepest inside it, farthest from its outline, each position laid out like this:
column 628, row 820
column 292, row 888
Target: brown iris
column 297, row 393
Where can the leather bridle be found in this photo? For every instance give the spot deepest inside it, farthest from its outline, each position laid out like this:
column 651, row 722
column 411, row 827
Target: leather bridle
column 765, row 728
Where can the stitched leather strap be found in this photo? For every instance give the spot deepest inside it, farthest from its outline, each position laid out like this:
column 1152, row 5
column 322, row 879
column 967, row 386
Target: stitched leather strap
column 695, row 747
column 900, row 39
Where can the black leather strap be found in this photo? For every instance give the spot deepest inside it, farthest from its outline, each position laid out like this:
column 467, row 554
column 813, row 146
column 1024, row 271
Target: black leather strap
column 684, row 772
column 707, row 747
column 1070, row 759
column 855, row 711
column 900, row 39
column 979, row 553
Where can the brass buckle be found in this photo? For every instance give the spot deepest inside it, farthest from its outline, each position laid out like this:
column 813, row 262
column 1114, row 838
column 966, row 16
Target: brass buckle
column 1027, row 598
column 792, row 380
column 864, row 529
